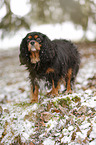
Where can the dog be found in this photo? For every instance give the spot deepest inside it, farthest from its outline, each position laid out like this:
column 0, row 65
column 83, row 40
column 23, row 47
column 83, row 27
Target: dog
column 52, row 61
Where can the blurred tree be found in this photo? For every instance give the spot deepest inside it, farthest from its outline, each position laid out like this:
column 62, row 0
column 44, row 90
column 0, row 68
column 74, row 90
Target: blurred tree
column 80, row 12
column 11, row 22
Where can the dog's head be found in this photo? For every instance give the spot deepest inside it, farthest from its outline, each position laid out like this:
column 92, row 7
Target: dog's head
column 36, row 47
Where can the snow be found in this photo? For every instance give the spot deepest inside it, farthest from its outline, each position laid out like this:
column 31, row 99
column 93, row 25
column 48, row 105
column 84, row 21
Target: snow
column 93, row 134
column 70, row 128
column 17, row 124
column 48, row 141
column 51, row 124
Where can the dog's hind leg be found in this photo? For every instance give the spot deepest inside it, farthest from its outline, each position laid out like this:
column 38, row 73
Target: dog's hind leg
column 68, row 81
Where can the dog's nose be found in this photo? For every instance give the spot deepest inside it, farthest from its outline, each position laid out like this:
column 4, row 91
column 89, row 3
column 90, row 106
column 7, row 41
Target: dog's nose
column 32, row 42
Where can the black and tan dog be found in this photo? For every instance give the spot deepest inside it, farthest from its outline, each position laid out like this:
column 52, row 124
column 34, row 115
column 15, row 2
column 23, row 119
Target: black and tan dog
column 50, row 60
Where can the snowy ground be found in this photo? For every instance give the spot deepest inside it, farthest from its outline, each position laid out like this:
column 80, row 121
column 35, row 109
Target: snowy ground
column 66, row 119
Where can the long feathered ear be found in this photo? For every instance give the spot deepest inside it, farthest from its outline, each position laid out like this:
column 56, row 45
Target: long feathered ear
column 24, row 54
column 48, row 49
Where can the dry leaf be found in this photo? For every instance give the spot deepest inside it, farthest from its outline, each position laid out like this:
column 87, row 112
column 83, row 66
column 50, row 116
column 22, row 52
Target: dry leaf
column 46, row 116
column 73, row 136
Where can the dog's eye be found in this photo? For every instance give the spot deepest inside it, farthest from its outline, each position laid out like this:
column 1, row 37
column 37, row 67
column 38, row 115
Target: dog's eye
column 38, row 39
column 28, row 40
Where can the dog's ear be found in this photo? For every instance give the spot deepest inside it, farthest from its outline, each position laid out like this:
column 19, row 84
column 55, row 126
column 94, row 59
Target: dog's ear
column 46, row 40
column 48, row 48
column 24, row 54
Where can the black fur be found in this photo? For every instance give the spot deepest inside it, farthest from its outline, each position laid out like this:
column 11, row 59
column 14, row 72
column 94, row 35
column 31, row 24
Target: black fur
column 59, row 55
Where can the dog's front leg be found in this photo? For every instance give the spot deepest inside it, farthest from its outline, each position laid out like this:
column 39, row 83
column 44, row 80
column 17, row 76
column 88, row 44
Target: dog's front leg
column 34, row 93
column 55, row 89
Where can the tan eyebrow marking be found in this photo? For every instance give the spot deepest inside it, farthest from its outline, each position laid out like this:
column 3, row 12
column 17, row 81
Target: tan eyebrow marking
column 29, row 37
column 35, row 36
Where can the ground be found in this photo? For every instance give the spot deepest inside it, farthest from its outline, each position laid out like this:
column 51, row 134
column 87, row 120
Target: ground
column 62, row 120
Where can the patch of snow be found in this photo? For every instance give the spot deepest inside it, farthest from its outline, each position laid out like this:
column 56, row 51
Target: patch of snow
column 51, row 124
column 65, row 131
column 70, row 128
column 66, row 139
column 93, row 142
column 48, row 141
column 93, row 133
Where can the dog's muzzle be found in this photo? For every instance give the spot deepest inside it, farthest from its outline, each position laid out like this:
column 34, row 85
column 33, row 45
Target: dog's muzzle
column 33, row 46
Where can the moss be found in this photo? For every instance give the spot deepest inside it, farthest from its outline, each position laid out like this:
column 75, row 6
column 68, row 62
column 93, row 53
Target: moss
column 24, row 104
column 64, row 101
column 76, row 99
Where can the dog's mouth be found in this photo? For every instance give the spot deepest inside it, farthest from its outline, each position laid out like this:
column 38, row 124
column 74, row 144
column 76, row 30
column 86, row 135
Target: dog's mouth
column 34, row 48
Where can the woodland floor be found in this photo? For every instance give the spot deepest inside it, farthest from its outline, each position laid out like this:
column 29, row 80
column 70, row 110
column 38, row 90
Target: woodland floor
column 62, row 120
